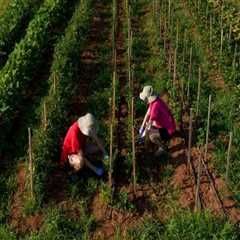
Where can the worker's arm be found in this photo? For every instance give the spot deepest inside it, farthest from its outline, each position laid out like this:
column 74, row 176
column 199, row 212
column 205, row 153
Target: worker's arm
column 145, row 119
column 100, row 145
column 98, row 171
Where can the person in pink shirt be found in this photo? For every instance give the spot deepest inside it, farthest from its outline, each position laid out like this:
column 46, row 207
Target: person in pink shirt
column 158, row 123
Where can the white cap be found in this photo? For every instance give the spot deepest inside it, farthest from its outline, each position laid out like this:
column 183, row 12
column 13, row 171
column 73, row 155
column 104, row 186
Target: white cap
column 88, row 125
column 148, row 94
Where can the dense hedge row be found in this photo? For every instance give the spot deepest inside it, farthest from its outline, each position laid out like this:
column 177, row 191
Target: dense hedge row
column 13, row 21
column 65, row 66
column 26, row 60
column 231, row 15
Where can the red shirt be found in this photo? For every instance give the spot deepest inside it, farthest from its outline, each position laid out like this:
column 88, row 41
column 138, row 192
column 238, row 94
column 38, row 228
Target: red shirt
column 162, row 116
column 73, row 142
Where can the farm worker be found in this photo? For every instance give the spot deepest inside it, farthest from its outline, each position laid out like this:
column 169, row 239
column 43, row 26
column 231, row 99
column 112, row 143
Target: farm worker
column 158, row 122
column 75, row 150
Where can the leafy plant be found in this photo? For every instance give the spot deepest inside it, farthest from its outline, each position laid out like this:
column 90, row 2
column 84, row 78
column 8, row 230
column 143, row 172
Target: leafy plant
column 26, row 59
column 13, row 21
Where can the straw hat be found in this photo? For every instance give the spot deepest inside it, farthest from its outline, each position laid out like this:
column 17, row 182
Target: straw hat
column 88, row 125
column 148, row 94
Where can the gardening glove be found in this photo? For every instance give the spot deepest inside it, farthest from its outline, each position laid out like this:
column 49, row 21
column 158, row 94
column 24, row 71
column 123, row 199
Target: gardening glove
column 141, row 131
column 99, row 171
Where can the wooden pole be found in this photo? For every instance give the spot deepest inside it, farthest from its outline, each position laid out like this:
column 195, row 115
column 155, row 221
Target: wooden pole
column 165, row 36
column 234, row 58
column 45, row 115
column 229, row 35
column 210, row 29
column 199, row 90
column 169, row 15
column 114, row 96
column 189, row 74
column 160, row 18
column 30, row 161
column 197, row 196
column 111, row 155
column 221, row 45
column 184, row 44
column 177, row 35
column 190, row 139
column 54, row 82
column 133, row 148
column 208, row 126
column 175, row 67
column 228, row 156
column 129, row 51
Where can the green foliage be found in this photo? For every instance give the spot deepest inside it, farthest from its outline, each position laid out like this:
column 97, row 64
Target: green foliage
column 122, row 202
column 26, row 59
column 150, row 229
column 187, row 226
column 7, row 188
column 58, row 226
column 14, row 20
column 6, row 233
column 46, row 143
column 106, row 193
column 199, row 226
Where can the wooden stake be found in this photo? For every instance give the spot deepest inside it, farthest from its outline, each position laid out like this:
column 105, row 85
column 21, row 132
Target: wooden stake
column 229, row 35
column 129, row 52
column 197, row 196
column 45, row 115
column 54, row 83
column 234, row 58
column 210, row 29
column 30, row 161
column 184, row 45
column 177, row 35
column 169, row 63
column 114, row 96
column 133, row 148
column 175, row 67
column 189, row 74
column 110, row 155
column 228, row 156
column 208, row 126
column 199, row 90
column 165, row 36
column 169, row 15
column 221, row 45
column 190, row 139
column 160, row 19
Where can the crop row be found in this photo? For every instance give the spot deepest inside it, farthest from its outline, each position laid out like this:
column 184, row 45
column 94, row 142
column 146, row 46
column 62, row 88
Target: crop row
column 46, row 142
column 27, row 58
column 13, row 22
column 224, row 117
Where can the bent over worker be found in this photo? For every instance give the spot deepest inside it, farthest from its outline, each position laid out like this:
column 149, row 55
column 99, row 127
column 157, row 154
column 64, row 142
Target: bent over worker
column 158, row 122
column 75, row 150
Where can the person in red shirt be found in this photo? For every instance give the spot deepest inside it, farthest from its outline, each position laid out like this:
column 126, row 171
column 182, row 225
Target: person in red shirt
column 75, row 149
column 158, row 122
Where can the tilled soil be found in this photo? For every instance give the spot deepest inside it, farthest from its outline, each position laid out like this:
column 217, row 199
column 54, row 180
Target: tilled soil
column 17, row 219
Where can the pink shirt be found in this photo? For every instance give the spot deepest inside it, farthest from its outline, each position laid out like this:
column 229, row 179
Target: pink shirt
column 161, row 115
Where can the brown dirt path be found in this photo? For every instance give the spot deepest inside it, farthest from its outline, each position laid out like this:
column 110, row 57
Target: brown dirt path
column 21, row 223
column 121, row 62
column 89, row 69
